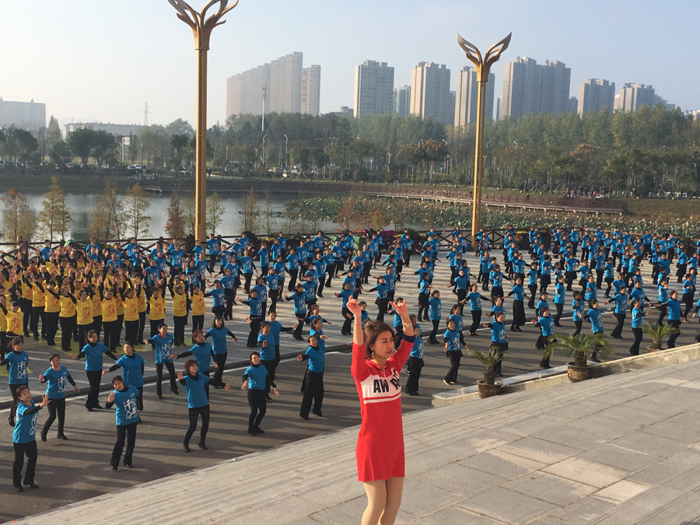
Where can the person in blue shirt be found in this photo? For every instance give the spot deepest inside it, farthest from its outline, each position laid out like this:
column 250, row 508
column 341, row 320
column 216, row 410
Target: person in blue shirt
column 637, row 323
column 93, row 353
column 254, row 379
column 498, row 339
column 24, row 438
column 435, row 315
column 133, row 366
column 547, row 334
column 218, row 332
column 197, row 402
column 17, row 360
column 415, row 359
column 299, row 298
column 275, row 329
column 162, row 344
column 674, row 316
column 292, row 262
column 577, row 308
column 202, row 352
column 620, row 312
column 312, row 386
column 453, row 351
column 594, row 316
column 254, row 316
column 475, row 298
column 268, row 358
column 559, row 299
column 345, row 294
column 57, row 377
column 518, row 306
column 127, row 414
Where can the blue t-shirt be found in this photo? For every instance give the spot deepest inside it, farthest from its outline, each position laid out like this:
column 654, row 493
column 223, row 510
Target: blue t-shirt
column 218, row 296
column 546, row 325
column 637, row 317
column 267, row 353
column 57, row 382
column 559, row 293
column 132, row 369
column 93, row 356
column 317, row 358
column 256, row 377
column 202, row 354
column 596, row 319
column 163, row 348
column 218, row 337
column 127, row 406
column 18, row 367
column 620, row 304
column 435, row 309
column 498, row 332
column 196, row 391
column 451, row 337
column 25, row 426
column 417, row 350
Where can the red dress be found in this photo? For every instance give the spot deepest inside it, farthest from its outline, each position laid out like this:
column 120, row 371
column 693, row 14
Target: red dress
column 380, row 449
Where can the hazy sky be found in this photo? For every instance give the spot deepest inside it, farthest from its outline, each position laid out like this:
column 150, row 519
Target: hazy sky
column 102, row 60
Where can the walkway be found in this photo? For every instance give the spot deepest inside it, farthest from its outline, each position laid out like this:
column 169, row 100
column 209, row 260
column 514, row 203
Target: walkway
column 612, row 451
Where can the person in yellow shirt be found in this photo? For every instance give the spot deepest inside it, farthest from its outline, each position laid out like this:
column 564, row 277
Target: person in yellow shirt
column 96, row 310
column 156, row 306
column 14, row 321
column 26, row 304
column 198, row 309
column 84, row 317
column 3, row 326
column 130, row 298
column 67, row 316
column 110, row 323
column 51, row 311
column 143, row 305
column 38, row 306
column 179, row 311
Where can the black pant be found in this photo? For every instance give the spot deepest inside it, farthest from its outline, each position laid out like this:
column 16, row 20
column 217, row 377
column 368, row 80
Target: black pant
column 638, row 334
column 15, row 399
column 476, row 321
column 26, row 305
column 455, row 359
column 194, row 414
column 617, row 332
column 270, row 378
column 415, row 365
column 131, row 331
column 51, row 327
column 67, row 327
column 97, row 325
column 382, row 305
column 533, row 293
column 220, row 360
column 142, row 326
column 300, row 325
column 109, row 339
column 230, row 297
column 258, row 407
column 313, row 391
column 94, row 378
column 247, row 277
column 433, row 334
column 672, row 339
column 124, row 433
column 38, row 314
column 560, row 311
column 254, row 331
column 159, row 377
column 579, row 325
column 423, row 306
column 330, row 272
column 663, row 313
column 83, row 329
column 292, row 279
column 179, row 334
column 347, row 318
column 197, row 322
column 56, row 407
column 155, row 323
column 22, row 449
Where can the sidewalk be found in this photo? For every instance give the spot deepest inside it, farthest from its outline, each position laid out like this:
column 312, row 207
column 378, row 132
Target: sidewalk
column 616, row 450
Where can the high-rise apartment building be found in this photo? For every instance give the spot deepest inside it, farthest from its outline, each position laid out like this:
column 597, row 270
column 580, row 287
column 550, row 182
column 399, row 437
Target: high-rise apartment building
column 311, row 91
column 594, row 95
column 374, row 88
column 281, row 80
column 532, row 88
column 467, row 97
column 402, row 100
column 430, row 92
column 27, row 115
column 634, row 96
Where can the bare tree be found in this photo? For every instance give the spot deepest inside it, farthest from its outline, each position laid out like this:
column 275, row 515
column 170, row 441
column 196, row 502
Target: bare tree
column 215, row 212
column 137, row 205
column 54, row 216
column 108, row 220
column 20, row 217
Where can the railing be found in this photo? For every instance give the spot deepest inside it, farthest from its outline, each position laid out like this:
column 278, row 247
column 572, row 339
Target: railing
column 397, row 190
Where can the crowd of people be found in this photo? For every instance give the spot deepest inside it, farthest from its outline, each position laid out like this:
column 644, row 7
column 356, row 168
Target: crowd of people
column 105, row 298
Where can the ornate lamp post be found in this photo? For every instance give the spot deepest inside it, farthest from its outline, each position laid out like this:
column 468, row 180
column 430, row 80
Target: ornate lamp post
column 201, row 27
column 483, row 67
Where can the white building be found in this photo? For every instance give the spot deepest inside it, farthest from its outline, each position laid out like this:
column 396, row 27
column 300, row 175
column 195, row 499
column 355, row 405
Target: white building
column 374, row 88
column 430, row 92
column 311, row 91
column 27, row 115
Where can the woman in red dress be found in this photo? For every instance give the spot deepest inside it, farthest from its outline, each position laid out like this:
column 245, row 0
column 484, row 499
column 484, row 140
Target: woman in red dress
column 380, row 449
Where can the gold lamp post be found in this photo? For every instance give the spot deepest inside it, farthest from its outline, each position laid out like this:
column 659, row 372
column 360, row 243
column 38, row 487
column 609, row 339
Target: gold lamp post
column 483, row 67
column 201, row 27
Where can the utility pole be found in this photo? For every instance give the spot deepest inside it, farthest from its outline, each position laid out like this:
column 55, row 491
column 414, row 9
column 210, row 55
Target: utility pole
column 145, row 115
column 264, row 93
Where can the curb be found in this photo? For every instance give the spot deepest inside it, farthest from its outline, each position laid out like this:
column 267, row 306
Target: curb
column 559, row 375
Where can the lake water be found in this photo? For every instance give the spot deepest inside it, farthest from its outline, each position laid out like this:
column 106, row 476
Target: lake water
column 81, row 209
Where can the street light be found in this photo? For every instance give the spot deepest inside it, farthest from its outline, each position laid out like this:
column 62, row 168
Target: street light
column 263, row 158
column 286, row 149
column 482, row 66
column 201, row 28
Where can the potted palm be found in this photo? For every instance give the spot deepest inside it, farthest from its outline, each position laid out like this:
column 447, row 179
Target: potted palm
column 658, row 332
column 488, row 386
column 581, row 347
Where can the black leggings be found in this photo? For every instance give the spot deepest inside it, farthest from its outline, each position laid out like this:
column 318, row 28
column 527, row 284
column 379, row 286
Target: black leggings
column 155, row 323
column 94, row 378
column 111, row 328
column 56, row 407
column 179, row 333
column 476, row 321
column 433, row 334
column 15, row 398
column 220, row 360
column 194, row 414
column 300, row 326
column 159, row 377
column 313, row 391
column 415, row 366
column 67, row 327
column 131, row 331
column 197, row 322
column 455, row 359
column 347, row 317
column 672, row 339
column 254, row 331
column 124, row 433
column 270, row 378
column 638, row 334
column 22, row 449
column 258, row 407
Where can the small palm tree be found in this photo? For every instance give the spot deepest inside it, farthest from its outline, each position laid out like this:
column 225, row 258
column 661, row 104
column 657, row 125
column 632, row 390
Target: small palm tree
column 489, row 360
column 580, row 347
column 658, row 332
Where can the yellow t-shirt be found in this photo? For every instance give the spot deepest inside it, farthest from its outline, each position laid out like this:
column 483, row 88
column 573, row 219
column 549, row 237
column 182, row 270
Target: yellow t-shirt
column 120, row 305
column 179, row 304
column 142, row 301
column 131, row 308
column 3, row 321
column 38, row 299
column 157, row 304
column 109, row 310
column 198, row 307
column 84, row 312
column 53, row 305
column 14, row 322
column 67, row 307
column 26, row 291
column 96, row 306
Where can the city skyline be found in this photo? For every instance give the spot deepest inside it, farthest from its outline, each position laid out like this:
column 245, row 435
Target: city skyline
column 158, row 67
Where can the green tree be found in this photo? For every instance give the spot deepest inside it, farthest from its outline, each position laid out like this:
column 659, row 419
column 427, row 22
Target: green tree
column 81, row 142
column 54, row 218
column 136, row 206
column 60, row 153
column 20, row 217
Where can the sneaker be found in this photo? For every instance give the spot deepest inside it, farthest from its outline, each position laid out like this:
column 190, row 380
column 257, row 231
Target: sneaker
column 115, row 467
column 446, row 381
column 186, row 448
